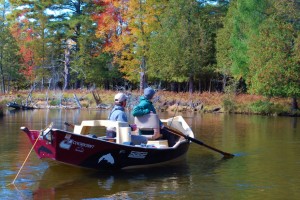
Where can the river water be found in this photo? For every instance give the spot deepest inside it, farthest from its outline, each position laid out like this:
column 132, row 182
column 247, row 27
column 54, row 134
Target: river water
column 266, row 163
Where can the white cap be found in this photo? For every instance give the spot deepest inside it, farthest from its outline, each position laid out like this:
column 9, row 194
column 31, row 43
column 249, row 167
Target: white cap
column 120, row 97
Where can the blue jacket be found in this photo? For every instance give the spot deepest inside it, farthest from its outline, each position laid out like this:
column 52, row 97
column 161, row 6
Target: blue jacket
column 118, row 114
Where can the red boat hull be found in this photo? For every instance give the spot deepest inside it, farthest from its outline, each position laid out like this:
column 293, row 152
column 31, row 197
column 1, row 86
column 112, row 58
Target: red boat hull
column 95, row 153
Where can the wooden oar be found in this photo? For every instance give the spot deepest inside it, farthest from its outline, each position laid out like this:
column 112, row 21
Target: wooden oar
column 171, row 130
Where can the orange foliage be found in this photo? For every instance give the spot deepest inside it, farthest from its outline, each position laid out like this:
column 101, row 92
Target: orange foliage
column 24, row 37
column 126, row 27
column 110, row 23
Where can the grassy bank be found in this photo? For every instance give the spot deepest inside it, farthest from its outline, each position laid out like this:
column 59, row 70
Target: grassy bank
column 163, row 101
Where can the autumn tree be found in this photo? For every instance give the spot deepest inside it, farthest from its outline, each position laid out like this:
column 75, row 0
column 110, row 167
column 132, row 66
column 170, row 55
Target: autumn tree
column 29, row 27
column 63, row 41
column 127, row 27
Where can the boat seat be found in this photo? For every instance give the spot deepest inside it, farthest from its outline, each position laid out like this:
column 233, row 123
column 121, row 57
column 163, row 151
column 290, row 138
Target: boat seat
column 78, row 129
column 147, row 122
column 123, row 130
column 158, row 143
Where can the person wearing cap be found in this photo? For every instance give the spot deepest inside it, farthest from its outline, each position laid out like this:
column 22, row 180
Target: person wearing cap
column 145, row 107
column 118, row 114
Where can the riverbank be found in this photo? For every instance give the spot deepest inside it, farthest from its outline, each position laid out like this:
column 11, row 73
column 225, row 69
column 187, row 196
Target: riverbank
column 163, row 101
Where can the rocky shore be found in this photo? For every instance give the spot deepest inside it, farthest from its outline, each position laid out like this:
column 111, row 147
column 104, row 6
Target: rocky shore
column 163, row 101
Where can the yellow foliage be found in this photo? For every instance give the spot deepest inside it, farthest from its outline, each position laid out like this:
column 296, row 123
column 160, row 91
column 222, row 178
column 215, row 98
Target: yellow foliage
column 129, row 45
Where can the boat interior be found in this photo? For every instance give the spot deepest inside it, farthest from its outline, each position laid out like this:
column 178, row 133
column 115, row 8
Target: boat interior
column 123, row 130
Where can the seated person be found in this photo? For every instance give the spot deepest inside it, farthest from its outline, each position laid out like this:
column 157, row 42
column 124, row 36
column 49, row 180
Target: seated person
column 145, row 107
column 118, row 114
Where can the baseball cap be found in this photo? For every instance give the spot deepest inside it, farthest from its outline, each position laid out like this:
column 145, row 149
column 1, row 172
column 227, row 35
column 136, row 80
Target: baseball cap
column 120, row 97
column 149, row 92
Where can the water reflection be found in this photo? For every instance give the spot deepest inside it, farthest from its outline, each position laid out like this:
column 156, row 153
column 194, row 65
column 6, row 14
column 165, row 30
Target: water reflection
column 60, row 181
column 294, row 122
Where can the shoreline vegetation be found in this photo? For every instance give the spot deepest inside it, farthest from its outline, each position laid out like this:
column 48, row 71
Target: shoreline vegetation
column 164, row 101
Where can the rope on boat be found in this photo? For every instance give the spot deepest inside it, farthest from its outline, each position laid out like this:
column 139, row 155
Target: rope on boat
column 13, row 182
column 41, row 133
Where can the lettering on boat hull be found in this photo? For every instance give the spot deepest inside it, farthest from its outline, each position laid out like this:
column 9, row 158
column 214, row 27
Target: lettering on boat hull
column 137, row 154
column 68, row 142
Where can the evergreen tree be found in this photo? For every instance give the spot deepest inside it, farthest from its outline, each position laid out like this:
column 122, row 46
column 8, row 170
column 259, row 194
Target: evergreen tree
column 9, row 54
column 274, row 64
column 240, row 25
column 62, row 38
column 183, row 48
column 71, row 24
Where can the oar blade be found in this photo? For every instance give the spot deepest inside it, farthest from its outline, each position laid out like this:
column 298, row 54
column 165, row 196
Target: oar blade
column 228, row 155
column 176, row 132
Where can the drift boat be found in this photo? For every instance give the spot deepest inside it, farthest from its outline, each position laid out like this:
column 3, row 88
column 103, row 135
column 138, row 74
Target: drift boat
column 82, row 148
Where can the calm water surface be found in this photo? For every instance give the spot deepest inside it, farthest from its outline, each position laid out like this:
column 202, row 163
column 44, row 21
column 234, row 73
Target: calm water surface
column 266, row 166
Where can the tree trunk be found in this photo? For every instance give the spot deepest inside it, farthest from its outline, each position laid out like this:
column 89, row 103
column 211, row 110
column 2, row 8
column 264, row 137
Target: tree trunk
column 191, row 84
column 2, row 76
column 78, row 84
column 224, row 82
column 200, row 86
column 67, row 67
column 106, row 84
column 173, row 87
column 77, row 101
column 2, row 81
column 142, row 75
column 142, row 82
column 29, row 96
column 294, row 104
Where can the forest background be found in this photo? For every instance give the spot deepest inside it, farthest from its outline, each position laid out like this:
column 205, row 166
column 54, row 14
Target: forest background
column 233, row 55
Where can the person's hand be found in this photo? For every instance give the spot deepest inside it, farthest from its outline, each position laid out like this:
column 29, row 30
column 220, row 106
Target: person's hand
column 133, row 127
